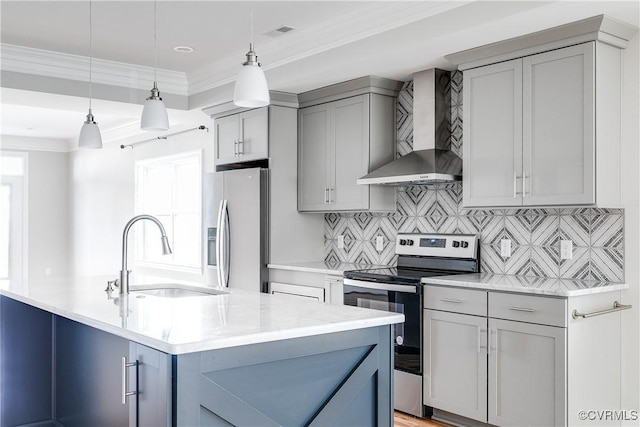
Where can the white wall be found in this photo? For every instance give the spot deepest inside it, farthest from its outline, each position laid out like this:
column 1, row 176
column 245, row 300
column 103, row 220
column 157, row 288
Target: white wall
column 48, row 223
column 102, row 200
column 631, row 202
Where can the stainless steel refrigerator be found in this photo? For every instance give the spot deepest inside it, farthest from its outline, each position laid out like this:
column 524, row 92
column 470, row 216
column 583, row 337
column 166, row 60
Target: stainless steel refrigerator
column 237, row 225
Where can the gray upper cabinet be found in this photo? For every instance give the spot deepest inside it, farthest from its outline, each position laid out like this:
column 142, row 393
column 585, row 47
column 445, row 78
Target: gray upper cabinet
column 340, row 141
column 242, row 137
column 542, row 117
column 334, row 153
column 492, row 148
column 530, row 131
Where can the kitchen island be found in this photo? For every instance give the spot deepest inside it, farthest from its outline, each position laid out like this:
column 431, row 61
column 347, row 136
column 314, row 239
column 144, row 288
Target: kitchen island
column 72, row 353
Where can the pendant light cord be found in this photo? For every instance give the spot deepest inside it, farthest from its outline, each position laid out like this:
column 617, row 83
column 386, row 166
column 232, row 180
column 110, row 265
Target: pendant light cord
column 251, row 14
column 155, row 41
column 90, row 54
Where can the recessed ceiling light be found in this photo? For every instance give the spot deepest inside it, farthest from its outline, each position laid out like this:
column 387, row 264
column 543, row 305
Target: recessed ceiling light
column 183, row 49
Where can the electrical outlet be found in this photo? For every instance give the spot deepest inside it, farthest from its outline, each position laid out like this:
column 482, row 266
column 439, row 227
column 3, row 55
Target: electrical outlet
column 505, row 248
column 379, row 243
column 566, row 249
column 341, row 241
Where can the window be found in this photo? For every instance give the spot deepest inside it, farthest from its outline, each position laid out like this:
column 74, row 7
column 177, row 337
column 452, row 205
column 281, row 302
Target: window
column 13, row 209
column 169, row 188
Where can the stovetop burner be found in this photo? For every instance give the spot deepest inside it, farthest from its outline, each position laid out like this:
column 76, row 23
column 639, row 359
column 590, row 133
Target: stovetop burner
column 394, row 274
column 425, row 255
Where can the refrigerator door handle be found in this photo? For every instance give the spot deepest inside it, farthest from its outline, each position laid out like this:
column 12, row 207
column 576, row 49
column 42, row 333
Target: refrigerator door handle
column 219, row 243
column 225, row 245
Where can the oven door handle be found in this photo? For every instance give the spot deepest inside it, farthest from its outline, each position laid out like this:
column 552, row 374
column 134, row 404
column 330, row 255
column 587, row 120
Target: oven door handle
column 409, row 289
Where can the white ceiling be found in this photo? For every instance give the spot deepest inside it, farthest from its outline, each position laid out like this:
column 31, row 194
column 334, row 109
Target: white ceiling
column 333, row 41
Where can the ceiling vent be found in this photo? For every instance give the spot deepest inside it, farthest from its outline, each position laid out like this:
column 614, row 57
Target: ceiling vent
column 281, row 30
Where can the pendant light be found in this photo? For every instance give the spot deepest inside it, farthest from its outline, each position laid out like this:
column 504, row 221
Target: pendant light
column 251, row 89
column 154, row 113
column 90, row 133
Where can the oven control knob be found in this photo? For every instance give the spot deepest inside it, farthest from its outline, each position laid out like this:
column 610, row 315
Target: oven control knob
column 399, row 340
column 403, row 242
column 464, row 244
column 456, row 244
column 410, row 242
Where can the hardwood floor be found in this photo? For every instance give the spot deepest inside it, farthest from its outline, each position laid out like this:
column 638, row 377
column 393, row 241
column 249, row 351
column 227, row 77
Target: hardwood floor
column 403, row 420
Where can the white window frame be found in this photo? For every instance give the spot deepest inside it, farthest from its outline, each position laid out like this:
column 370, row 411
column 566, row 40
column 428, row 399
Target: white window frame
column 23, row 236
column 140, row 167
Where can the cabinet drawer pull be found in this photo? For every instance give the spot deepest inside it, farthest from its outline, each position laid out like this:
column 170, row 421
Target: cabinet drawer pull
column 455, row 301
column 616, row 307
column 126, row 393
column 525, row 309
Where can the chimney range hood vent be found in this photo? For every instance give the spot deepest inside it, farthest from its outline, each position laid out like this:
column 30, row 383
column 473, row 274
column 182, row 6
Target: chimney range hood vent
column 432, row 161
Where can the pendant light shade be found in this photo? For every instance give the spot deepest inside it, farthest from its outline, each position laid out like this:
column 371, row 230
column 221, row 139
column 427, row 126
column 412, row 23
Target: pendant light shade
column 90, row 133
column 251, row 89
column 154, row 113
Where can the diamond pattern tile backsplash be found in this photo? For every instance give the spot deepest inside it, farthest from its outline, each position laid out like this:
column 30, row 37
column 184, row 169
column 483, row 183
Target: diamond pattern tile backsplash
column 535, row 234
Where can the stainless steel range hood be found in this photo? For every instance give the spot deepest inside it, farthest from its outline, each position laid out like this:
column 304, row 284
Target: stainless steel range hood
column 432, row 161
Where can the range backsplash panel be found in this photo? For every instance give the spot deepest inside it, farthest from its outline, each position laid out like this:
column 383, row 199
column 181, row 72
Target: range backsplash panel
column 535, row 234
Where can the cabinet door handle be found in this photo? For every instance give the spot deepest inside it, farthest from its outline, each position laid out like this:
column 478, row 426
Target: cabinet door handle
column 480, row 346
column 524, row 185
column 240, row 148
column 515, row 184
column 326, row 195
column 455, row 301
column 492, row 347
column 525, row 309
column 235, row 147
column 332, row 198
column 126, row 393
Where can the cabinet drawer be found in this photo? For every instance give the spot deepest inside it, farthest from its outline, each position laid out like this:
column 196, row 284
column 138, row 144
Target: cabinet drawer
column 525, row 308
column 466, row 301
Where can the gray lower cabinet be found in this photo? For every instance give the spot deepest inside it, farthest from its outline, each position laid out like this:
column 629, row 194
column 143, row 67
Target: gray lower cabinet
column 487, row 359
column 527, row 374
column 455, row 363
column 509, row 359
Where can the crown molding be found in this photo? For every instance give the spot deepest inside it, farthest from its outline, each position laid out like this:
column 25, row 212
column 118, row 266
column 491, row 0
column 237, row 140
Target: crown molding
column 343, row 30
column 48, row 63
column 25, row 143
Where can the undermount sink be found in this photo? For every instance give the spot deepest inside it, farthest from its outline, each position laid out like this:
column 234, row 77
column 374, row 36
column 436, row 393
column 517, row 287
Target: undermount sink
column 172, row 290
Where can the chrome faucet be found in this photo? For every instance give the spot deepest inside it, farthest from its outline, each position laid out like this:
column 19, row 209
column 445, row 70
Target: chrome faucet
column 124, row 273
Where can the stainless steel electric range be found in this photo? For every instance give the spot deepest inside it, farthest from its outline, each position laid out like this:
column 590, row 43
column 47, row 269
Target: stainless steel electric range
column 399, row 289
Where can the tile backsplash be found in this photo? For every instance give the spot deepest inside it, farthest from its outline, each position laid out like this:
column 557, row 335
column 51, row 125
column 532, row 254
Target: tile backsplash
column 535, row 233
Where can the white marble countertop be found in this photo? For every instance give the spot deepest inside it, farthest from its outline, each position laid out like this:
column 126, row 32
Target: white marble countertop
column 525, row 284
column 322, row 267
column 192, row 324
